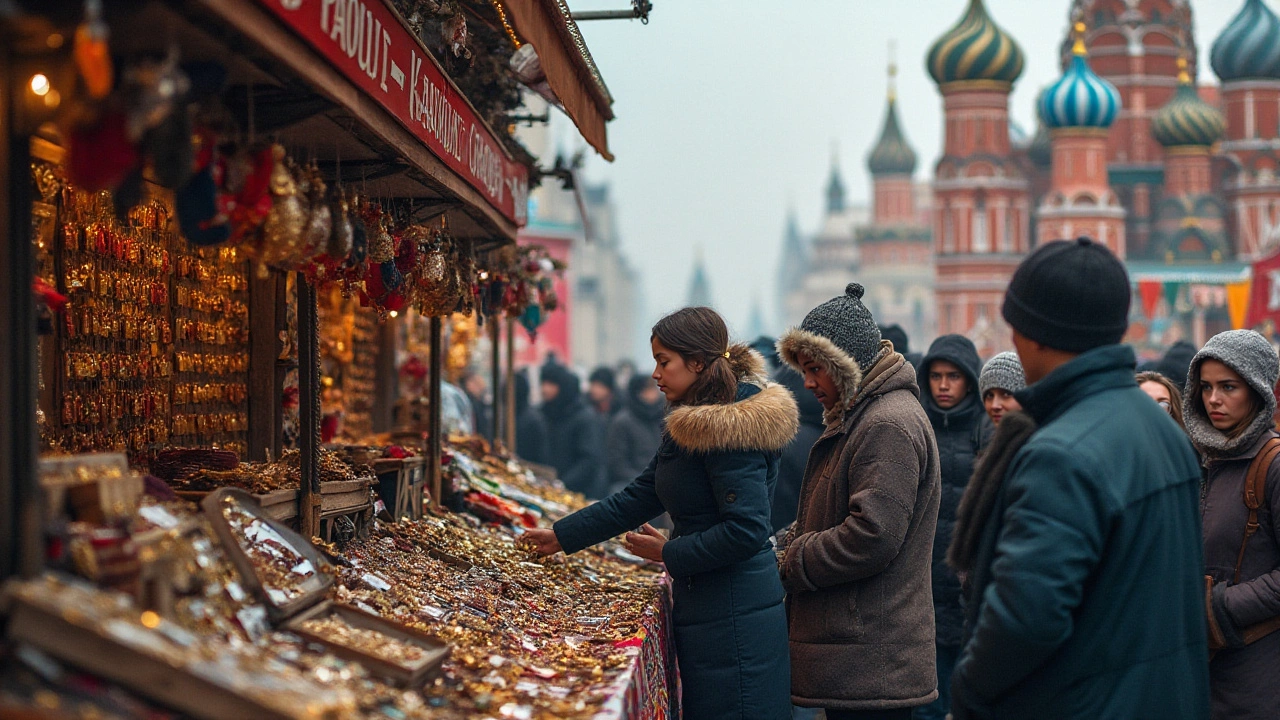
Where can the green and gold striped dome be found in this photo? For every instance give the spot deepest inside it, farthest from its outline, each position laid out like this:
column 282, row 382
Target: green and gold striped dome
column 1186, row 119
column 975, row 49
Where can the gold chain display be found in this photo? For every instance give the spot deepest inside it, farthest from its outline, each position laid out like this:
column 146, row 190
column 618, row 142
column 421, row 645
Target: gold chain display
column 154, row 340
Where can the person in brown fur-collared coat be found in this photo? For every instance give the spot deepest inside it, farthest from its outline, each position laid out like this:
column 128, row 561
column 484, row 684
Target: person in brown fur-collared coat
column 856, row 564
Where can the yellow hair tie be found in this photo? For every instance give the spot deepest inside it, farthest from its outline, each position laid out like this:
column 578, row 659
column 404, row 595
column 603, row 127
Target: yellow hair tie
column 726, row 354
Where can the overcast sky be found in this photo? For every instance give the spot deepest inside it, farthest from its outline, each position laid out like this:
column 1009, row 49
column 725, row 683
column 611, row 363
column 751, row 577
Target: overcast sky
column 728, row 112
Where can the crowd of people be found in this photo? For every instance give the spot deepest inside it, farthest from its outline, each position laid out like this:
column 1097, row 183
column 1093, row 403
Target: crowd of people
column 869, row 533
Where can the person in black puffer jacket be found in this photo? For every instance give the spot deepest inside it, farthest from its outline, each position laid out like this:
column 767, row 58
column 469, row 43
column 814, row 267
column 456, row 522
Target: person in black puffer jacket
column 948, row 378
column 786, row 497
column 575, row 437
column 531, row 427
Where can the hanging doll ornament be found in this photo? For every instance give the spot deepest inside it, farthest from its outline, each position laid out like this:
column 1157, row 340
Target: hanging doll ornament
column 91, row 52
column 282, row 233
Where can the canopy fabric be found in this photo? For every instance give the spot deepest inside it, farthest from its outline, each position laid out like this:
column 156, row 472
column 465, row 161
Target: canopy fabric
column 567, row 63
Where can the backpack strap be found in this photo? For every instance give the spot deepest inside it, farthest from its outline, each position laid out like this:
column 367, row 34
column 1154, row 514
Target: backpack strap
column 1255, row 492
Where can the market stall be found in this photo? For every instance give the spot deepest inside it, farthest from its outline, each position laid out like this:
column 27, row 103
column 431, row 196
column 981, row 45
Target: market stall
column 239, row 219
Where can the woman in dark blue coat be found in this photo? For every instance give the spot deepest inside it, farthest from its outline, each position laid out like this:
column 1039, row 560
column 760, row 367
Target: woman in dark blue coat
column 714, row 474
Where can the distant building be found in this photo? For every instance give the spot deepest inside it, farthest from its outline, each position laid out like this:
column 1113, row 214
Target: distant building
column 597, row 323
column 700, row 284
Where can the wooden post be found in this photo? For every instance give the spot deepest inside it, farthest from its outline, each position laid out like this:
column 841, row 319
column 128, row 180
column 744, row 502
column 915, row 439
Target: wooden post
column 265, row 412
column 308, row 408
column 386, row 382
column 510, row 390
column 21, row 548
column 435, row 443
column 495, row 342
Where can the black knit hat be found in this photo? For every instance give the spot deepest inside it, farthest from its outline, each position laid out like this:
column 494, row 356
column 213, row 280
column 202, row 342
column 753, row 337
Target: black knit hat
column 847, row 323
column 1070, row 295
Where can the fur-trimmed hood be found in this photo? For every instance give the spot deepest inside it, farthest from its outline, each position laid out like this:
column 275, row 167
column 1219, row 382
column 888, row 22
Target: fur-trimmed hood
column 839, row 365
column 764, row 417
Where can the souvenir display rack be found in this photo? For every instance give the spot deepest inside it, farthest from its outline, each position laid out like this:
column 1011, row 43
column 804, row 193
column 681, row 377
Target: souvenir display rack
column 183, row 179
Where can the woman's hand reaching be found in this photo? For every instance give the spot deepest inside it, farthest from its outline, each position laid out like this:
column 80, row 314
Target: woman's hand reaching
column 543, row 541
column 646, row 544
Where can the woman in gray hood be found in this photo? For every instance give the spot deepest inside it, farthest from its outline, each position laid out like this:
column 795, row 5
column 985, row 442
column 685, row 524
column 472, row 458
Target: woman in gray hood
column 1229, row 403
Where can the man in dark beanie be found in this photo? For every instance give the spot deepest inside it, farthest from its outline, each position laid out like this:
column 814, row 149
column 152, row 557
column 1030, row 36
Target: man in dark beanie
column 856, row 561
column 896, row 335
column 1086, row 597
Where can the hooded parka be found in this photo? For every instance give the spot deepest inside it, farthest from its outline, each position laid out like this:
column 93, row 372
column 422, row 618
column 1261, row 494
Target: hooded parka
column 634, row 435
column 714, row 474
column 1242, row 678
column 961, row 431
column 575, row 435
column 1087, row 595
column 856, row 564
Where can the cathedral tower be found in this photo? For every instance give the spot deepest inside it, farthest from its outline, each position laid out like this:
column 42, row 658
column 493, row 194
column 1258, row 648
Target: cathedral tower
column 981, row 198
column 1077, row 110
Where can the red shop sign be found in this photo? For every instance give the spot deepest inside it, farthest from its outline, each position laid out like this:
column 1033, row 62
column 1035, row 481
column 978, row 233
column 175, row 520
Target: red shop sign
column 367, row 43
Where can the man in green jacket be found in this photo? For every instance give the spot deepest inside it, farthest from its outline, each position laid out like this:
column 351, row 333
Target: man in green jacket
column 1086, row 591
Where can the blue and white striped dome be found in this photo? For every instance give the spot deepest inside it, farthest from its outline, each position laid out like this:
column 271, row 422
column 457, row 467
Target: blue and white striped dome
column 1249, row 47
column 1080, row 98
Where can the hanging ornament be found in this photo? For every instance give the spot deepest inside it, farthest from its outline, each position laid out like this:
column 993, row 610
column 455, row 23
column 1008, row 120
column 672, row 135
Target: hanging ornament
column 91, row 53
column 381, row 247
column 319, row 218
column 282, row 233
column 340, row 231
column 153, row 91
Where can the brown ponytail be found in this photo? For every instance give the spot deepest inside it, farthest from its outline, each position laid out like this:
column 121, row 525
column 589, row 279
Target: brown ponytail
column 699, row 336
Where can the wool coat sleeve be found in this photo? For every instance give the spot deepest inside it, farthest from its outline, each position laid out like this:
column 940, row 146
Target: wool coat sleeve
column 884, row 477
column 739, row 482
column 1256, row 600
column 1052, row 538
column 624, row 510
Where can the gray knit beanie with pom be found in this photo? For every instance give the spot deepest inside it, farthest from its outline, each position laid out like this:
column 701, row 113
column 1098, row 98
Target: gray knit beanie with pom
column 1002, row 371
column 847, row 323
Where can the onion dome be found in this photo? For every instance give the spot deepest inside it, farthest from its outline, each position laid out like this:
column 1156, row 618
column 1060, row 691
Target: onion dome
column 1041, row 148
column 1186, row 119
column 1080, row 98
column 975, row 49
column 1250, row 45
column 891, row 154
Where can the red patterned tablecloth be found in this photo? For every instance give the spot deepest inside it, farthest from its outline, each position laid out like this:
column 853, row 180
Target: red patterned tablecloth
column 650, row 689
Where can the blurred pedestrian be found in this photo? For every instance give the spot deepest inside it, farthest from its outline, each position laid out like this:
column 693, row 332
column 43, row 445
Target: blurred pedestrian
column 1164, row 392
column 715, row 471
column 602, row 390
column 901, row 343
column 531, row 427
column 948, row 376
column 786, row 498
column 575, row 434
column 1229, row 402
column 1001, row 377
column 1175, row 361
column 856, row 561
column 635, row 433
column 477, row 390
column 1085, row 599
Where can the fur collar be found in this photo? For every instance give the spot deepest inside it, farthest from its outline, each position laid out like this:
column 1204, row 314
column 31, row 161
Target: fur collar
column 767, row 421
column 839, row 365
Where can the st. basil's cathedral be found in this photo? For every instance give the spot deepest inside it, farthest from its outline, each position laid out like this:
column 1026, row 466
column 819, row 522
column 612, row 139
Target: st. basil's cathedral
column 1180, row 180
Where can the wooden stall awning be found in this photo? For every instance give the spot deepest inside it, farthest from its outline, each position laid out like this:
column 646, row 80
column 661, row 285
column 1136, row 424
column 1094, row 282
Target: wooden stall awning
column 404, row 131
column 567, row 63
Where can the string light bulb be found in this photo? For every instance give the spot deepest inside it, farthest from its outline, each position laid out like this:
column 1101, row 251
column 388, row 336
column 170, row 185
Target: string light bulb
column 40, row 84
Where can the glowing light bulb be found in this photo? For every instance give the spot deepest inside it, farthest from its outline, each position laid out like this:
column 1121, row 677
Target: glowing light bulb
column 40, row 84
column 394, row 314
